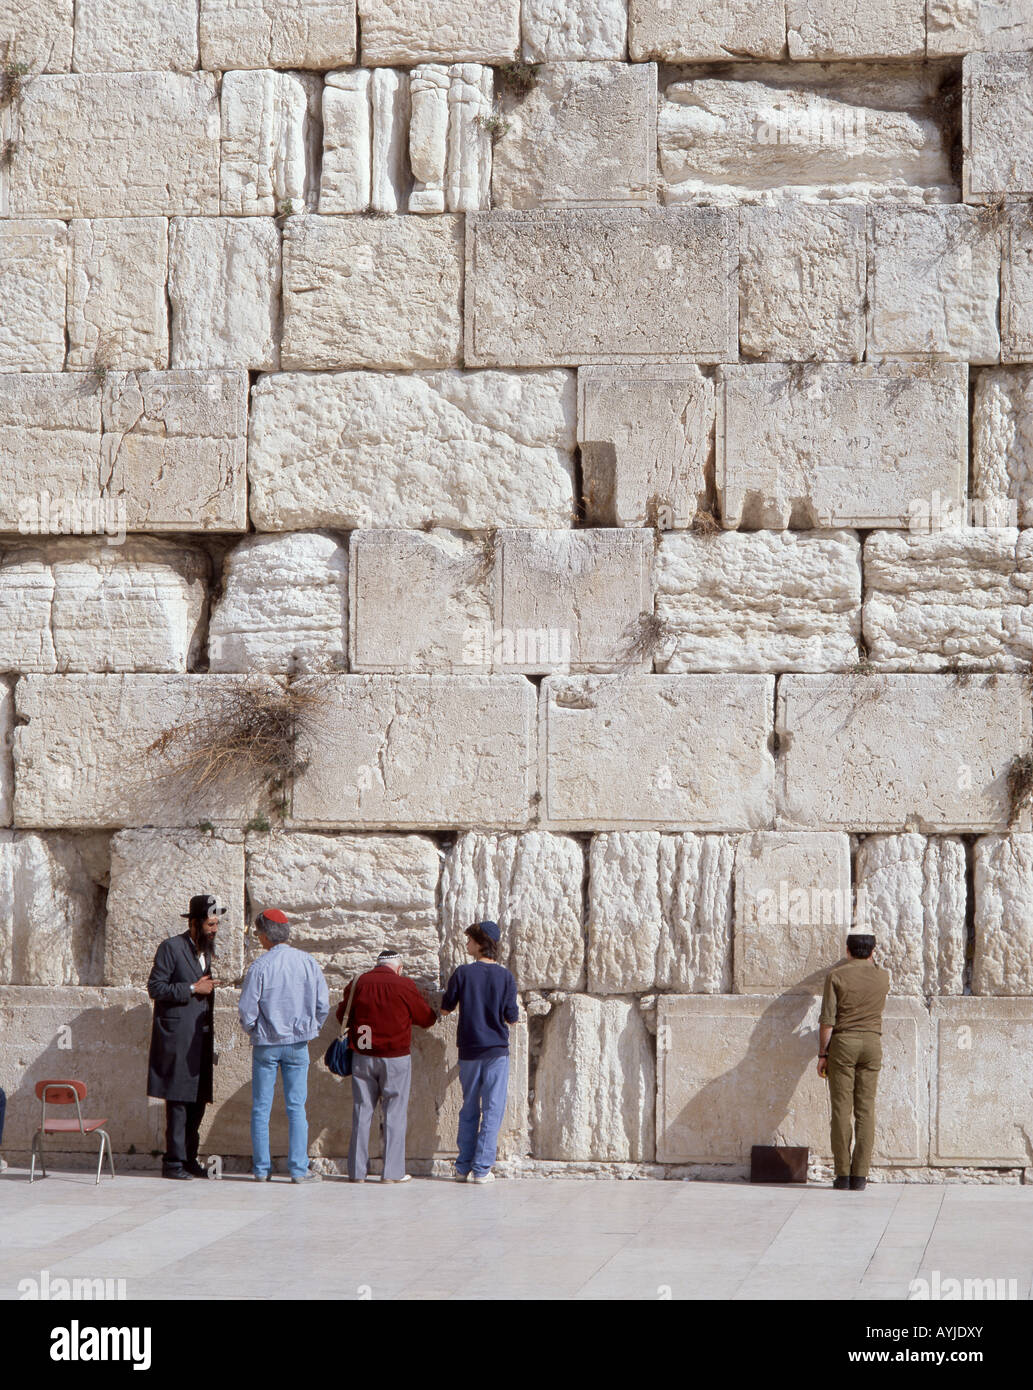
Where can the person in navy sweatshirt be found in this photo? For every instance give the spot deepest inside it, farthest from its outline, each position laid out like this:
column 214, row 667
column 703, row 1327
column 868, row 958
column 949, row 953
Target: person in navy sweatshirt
column 485, row 993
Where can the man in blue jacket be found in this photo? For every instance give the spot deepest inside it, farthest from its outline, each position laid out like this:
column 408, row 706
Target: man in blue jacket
column 283, row 1005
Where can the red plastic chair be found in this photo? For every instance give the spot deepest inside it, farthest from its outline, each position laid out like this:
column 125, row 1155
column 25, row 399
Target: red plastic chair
column 67, row 1093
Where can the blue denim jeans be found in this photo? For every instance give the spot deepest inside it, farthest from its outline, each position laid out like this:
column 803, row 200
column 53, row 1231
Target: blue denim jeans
column 3, row 1108
column 292, row 1061
column 484, row 1104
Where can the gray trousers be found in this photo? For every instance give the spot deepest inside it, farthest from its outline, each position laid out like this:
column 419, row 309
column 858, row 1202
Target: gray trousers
column 385, row 1079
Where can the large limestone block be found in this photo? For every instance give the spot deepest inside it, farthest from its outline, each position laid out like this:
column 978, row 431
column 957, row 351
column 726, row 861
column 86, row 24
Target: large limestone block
column 559, row 30
column 154, row 874
column 843, row 29
column 349, row 897
column 998, row 125
column 968, row 26
column 983, row 1078
column 87, row 605
column 439, row 619
column 573, row 600
column 646, row 437
column 117, row 144
column 40, row 34
column 596, row 1083
column 601, row 285
column 468, row 166
column 82, row 762
column 792, row 910
column 147, row 35
column 1017, row 291
column 33, row 285
column 685, row 33
column 758, row 601
column 117, row 312
column 347, row 165
column 6, row 759
column 284, row 606
column 895, row 752
column 277, row 33
column 50, row 443
column 532, row 885
column 391, row 176
column 51, row 913
column 734, row 1072
column 415, row 752
column 802, row 282
column 270, row 141
column 372, row 291
column 224, row 292
column 951, row 596
column 911, row 894
column 429, row 132
column 1003, row 962
column 1002, row 446
column 840, row 445
column 583, row 136
column 656, row 751
column 933, row 285
column 426, row 31
column 660, row 912
column 468, row 450
column 759, row 132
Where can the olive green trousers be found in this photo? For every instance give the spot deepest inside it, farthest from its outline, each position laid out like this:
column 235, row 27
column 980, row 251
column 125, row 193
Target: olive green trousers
column 853, row 1070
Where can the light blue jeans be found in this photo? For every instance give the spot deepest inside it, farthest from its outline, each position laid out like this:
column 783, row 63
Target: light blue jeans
column 292, row 1061
column 484, row 1104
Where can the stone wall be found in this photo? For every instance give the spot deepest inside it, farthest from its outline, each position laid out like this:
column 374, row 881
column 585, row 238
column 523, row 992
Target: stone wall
column 600, row 433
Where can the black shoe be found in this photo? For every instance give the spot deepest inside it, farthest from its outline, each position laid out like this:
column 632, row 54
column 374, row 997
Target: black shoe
column 196, row 1170
column 177, row 1174
column 841, row 1184
column 858, row 1184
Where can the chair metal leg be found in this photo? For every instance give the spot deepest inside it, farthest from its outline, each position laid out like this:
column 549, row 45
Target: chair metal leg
column 100, row 1157
column 111, row 1156
column 32, row 1163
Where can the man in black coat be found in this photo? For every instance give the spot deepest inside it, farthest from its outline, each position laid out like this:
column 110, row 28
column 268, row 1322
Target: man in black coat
column 179, row 1068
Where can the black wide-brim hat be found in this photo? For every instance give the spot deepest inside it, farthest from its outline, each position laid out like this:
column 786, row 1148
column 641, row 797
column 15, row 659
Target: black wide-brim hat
column 204, row 905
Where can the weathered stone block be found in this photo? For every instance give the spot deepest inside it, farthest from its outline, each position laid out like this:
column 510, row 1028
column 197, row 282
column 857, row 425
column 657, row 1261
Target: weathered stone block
column 50, row 909
column 584, row 135
column 911, row 895
column 933, row 285
column 99, row 145
column 440, row 620
column 997, row 124
column 792, row 910
column 1003, row 962
column 802, row 282
column 612, row 1118
column 429, row 87
column 424, row 31
column 117, row 315
column 1017, row 292
column 563, row 30
column 372, row 292
column 284, row 606
column 468, row 166
column 33, row 284
column 758, row 601
column 347, row 169
column 270, row 142
column 952, row 596
column 532, row 886
column 983, row 1059
column 896, row 752
column 224, row 292
column 761, row 131
column 390, row 173
column 646, row 437
column 40, row 34
column 1002, row 446
column 733, row 1072
column 154, row 873
column 467, row 450
column 145, row 36
column 968, row 26
column 348, row 897
column 277, row 34
column 840, row 445
column 841, row 29
column 609, row 285
column 747, row 28
column 625, row 751
column 409, row 752
column 87, row 605
column 573, row 600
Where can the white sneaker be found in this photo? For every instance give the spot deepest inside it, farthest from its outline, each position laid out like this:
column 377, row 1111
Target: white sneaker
column 489, row 1176
column 407, row 1177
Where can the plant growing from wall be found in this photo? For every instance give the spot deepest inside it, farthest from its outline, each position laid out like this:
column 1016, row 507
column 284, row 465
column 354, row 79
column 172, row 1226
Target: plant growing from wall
column 1020, row 786
column 518, row 78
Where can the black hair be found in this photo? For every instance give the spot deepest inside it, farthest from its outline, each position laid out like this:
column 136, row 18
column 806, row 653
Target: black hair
column 860, row 946
column 489, row 948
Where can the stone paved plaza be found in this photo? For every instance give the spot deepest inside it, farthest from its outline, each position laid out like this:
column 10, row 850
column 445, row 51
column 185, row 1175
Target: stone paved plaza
column 544, row 1239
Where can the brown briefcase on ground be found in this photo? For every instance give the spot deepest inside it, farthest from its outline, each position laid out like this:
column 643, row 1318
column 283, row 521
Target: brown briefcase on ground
column 778, row 1163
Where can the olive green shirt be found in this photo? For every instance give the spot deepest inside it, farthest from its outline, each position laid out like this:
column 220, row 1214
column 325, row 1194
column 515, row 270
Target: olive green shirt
column 854, row 997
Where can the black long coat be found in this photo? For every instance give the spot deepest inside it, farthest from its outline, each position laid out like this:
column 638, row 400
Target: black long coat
column 181, row 1059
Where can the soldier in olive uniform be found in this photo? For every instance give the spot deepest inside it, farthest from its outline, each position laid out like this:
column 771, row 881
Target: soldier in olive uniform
column 850, row 1056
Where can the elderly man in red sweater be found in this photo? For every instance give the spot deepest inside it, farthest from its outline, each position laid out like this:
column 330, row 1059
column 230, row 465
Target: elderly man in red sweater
column 384, row 1006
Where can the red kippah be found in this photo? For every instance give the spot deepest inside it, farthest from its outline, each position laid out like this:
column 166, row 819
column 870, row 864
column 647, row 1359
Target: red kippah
column 274, row 915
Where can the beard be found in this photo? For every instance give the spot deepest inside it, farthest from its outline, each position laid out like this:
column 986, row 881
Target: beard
column 206, row 942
